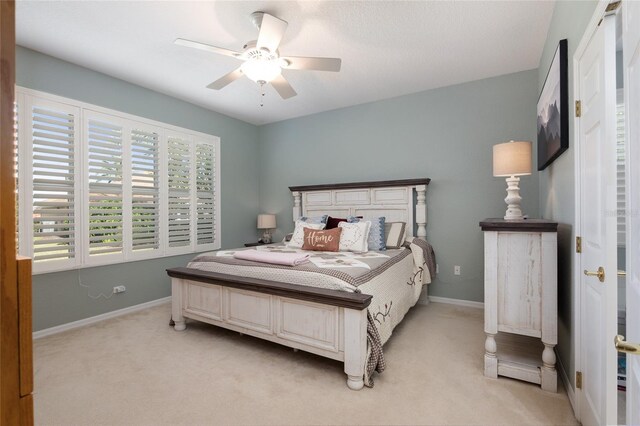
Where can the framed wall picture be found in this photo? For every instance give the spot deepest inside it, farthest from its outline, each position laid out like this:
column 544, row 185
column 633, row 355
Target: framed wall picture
column 553, row 110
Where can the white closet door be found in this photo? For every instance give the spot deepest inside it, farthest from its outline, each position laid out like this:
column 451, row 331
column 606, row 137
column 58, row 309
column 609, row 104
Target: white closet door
column 631, row 53
column 597, row 169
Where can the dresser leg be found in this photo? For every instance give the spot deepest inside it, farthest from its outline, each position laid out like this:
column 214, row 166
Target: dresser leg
column 490, row 358
column 549, row 374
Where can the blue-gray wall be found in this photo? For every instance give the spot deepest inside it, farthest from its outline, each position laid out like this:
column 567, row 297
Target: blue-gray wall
column 58, row 298
column 557, row 182
column 445, row 134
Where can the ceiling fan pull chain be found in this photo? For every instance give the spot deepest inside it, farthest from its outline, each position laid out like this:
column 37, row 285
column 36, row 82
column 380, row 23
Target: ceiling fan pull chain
column 262, row 93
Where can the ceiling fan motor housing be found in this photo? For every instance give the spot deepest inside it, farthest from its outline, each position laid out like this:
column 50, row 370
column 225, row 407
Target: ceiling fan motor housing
column 257, row 53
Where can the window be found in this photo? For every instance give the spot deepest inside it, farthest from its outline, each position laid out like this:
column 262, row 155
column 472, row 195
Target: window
column 52, row 141
column 145, row 190
column 205, row 201
column 98, row 186
column 104, row 170
column 180, row 187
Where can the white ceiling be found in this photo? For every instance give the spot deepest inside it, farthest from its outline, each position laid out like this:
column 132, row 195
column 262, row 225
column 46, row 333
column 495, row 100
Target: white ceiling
column 387, row 48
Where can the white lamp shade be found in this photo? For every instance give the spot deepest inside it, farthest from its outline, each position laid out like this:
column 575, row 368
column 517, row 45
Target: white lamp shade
column 266, row 221
column 512, row 159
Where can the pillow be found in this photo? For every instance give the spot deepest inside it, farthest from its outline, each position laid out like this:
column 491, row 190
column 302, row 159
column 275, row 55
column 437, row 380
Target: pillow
column 327, row 240
column 394, row 234
column 332, row 222
column 315, row 219
column 354, row 236
column 376, row 240
column 297, row 239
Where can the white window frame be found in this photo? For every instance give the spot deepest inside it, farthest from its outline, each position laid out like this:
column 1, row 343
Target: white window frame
column 24, row 98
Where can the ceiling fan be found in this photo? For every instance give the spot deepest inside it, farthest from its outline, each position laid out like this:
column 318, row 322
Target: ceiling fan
column 262, row 62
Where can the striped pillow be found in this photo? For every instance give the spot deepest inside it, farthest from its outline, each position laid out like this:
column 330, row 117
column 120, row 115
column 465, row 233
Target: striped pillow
column 394, row 234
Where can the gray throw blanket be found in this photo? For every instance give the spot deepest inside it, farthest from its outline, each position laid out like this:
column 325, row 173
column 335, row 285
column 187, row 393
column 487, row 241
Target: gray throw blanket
column 375, row 356
column 429, row 254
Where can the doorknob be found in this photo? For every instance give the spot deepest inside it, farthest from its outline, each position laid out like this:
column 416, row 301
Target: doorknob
column 599, row 273
column 622, row 346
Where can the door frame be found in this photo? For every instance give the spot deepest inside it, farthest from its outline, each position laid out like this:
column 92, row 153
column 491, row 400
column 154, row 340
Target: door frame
column 575, row 394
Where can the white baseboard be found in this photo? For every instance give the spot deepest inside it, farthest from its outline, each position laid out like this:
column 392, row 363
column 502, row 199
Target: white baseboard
column 571, row 393
column 98, row 318
column 459, row 302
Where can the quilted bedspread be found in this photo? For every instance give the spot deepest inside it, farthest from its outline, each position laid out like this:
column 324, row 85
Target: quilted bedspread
column 393, row 277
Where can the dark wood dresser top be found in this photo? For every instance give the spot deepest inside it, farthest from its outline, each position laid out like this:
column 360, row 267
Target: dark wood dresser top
column 523, row 225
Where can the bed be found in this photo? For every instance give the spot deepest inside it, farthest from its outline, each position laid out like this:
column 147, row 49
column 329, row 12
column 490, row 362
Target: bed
column 342, row 306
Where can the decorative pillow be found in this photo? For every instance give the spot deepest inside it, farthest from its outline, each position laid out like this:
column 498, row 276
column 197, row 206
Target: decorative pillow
column 315, row 219
column 333, row 222
column 297, row 239
column 354, row 236
column 327, row 240
column 394, row 234
column 376, row 239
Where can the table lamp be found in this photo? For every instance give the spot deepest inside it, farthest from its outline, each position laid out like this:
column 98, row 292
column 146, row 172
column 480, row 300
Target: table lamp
column 266, row 222
column 510, row 160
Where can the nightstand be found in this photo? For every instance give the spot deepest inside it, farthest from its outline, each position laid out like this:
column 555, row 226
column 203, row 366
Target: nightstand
column 257, row 243
column 520, row 300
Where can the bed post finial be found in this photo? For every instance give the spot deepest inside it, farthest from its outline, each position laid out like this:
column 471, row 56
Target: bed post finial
column 297, row 205
column 421, row 211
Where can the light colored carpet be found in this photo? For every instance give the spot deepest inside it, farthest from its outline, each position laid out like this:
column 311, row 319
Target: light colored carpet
column 137, row 370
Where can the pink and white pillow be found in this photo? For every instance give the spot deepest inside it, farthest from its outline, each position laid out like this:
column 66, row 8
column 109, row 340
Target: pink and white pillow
column 297, row 240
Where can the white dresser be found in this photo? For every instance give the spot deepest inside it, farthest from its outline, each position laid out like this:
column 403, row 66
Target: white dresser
column 520, row 300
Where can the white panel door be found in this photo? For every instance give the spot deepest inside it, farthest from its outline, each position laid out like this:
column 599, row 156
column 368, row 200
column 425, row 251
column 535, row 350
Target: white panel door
column 631, row 54
column 597, row 170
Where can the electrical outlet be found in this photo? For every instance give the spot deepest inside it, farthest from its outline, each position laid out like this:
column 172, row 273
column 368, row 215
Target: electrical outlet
column 456, row 270
column 119, row 289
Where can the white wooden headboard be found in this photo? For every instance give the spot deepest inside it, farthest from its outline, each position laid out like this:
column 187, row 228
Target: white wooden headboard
column 392, row 199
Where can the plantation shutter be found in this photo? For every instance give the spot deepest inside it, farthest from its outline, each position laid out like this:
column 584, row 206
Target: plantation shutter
column 145, row 204
column 179, row 192
column 205, row 193
column 105, row 177
column 100, row 187
column 620, row 174
column 53, row 142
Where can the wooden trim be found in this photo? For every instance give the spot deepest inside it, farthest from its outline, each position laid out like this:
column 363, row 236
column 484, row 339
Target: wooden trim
column 10, row 406
column 525, row 225
column 343, row 299
column 26, row 410
column 25, row 325
column 356, row 185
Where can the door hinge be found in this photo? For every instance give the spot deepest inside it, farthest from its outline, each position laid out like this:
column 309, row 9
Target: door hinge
column 613, row 6
column 578, row 244
column 578, row 109
column 578, row 379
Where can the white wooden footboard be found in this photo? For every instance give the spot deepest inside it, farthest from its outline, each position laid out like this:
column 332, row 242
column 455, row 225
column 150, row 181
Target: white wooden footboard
column 328, row 323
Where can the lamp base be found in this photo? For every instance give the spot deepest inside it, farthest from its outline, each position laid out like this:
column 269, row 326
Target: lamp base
column 513, row 199
column 266, row 237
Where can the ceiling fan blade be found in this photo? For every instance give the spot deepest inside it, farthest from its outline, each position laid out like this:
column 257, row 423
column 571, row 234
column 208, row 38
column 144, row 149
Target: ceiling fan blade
column 271, row 32
column 283, row 87
column 318, row 64
column 226, row 79
column 206, row 47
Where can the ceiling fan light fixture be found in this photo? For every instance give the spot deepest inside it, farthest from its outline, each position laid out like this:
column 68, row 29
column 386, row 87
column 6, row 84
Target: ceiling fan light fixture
column 260, row 70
